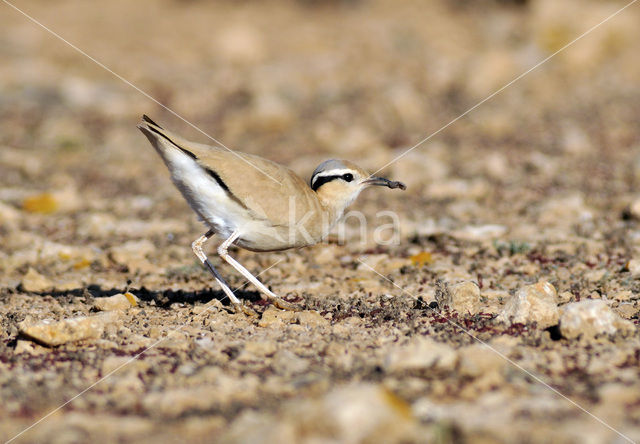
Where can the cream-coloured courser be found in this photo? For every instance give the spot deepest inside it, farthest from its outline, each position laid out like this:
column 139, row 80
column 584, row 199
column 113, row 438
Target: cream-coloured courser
column 255, row 203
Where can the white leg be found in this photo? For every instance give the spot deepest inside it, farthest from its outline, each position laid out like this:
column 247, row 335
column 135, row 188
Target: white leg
column 197, row 249
column 275, row 300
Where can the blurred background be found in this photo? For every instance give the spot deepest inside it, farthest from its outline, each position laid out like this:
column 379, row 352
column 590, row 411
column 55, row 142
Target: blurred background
column 550, row 166
column 302, row 81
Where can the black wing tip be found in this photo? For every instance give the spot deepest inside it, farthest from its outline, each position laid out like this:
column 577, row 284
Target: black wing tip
column 147, row 119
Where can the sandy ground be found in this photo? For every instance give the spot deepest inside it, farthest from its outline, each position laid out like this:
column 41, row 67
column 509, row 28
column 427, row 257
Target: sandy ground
column 481, row 325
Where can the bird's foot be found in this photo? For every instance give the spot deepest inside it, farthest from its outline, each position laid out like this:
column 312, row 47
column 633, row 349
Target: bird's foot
column 282, row 304
column 242, row 308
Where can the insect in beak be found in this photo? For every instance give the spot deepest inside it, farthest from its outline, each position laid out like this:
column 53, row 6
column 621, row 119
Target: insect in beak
column 381, row 181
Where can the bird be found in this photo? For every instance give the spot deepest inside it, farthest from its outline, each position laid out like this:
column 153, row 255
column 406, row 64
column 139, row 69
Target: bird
column 255, row 203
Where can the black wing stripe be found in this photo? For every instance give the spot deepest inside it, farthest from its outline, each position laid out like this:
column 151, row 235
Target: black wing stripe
column 209, row 171
column 187, row 152
column 223, row 185
column 217, row 178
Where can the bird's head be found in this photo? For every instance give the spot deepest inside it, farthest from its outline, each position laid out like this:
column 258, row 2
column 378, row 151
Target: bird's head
column 338, row 182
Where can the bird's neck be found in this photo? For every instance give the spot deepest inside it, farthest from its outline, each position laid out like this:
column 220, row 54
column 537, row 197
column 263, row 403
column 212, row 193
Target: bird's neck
column 334, row 206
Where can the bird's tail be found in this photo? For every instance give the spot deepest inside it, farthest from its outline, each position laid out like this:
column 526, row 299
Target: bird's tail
column 162, row 139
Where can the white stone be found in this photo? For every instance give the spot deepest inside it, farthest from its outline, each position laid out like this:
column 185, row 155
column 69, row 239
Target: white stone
column 50, row 332
column 116, row 302
column 479, row 359
column 421, row 354
column 35, row 282
column 463, row 297
column 590, row 318
column 532, row 303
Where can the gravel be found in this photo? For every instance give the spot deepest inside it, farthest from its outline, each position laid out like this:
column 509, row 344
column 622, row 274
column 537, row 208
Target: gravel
column 517, row 255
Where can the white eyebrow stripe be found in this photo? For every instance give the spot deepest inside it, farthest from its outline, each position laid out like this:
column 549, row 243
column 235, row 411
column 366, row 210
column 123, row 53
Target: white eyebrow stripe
column 339, row 172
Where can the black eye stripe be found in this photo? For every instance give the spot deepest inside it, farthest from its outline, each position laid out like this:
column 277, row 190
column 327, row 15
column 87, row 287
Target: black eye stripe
column 318, row 181
column 321, row 180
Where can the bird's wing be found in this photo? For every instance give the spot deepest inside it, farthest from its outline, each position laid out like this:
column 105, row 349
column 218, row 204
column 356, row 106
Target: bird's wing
column 270, row 190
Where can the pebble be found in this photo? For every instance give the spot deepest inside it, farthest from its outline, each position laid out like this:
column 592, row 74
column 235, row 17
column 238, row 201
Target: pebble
column 421, row 354
column 35, row 282
column 463, row 297
column 634, row 209
column 116, row 302
column 480, row 232
column 356, row 413
column 8, row 214
column 133, row 254
column 564, row 211
column 175, row 402
column 532, row 303
column 478, row 359
column 634, row 267
column 273, row 317
column 624, row 295
column 626, row 310
column 311, row 318
column 24, row 346
column 590, row 318
column 52, row 333
column 285, row 362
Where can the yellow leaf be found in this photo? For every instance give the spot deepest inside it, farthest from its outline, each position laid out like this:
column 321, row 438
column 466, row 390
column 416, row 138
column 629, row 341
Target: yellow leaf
column 84, row 263
column 421, row 259
column 131, row 298
column 64, row 256
column 42, row 203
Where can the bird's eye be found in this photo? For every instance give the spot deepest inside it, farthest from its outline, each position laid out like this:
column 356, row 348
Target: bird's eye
column 348, row 177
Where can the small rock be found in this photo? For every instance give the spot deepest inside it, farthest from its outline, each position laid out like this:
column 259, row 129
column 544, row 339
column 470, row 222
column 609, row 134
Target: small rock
column 171, row 403
column 634, row 209
column 23, row 346
column 286, row 362
column 595, row 275
column 357, row 413
column 311, row 318
column 624, row 295
column 419, row 355
column 463, row 297
column 634, row 267
column 479, row 232
column 8, row 214
column 260, row 348
column 626, row 310
column 590, row 318
column 478, row 359
column 533, row 303
column 565, row 297
column 133, row 254
column 53, row 333
column 273, row 316
column 35, row 282
column 116, row 302
column 564, row 211
column 253, row 427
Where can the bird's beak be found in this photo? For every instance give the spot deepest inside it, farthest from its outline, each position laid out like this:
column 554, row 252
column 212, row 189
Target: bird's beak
column 381, row 181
